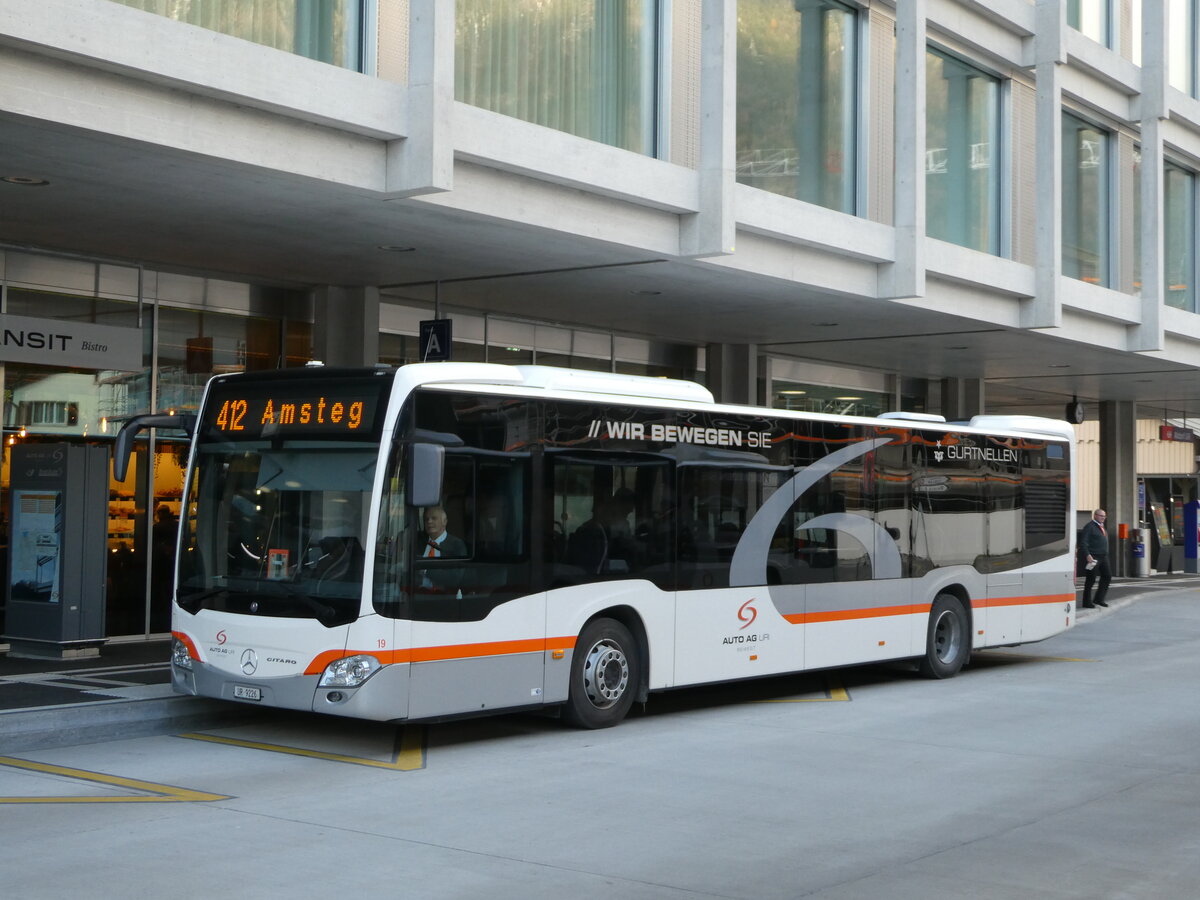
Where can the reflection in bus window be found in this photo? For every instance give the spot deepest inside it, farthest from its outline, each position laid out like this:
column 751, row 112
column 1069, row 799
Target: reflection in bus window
column 612, row 518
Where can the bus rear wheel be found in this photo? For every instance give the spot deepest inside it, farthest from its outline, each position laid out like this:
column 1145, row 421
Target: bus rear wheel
column 605, row 673
column 948, row 643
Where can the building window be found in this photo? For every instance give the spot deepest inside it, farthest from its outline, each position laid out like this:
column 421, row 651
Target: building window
column 796, row 100
column 1085, row 201
column 586, row 67
column 1091, row 17
column 1181, row 45
column 1179, row 236
column 329, row 31
column 820, row 398
column 962, row 178
column 38, row 413
column 193, row 346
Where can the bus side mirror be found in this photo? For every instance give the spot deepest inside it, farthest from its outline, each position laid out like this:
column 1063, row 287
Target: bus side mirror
column 425, row 465
column 123, row 448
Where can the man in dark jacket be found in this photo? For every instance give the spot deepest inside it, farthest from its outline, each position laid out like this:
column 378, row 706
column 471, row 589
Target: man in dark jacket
column 1093, row 545
column 437, row 543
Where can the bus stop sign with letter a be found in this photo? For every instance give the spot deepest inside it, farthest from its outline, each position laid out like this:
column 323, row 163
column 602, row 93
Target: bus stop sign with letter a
column 436, row 337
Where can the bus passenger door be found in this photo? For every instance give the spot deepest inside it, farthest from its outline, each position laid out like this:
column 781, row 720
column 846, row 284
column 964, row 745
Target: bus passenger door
column 740, row 603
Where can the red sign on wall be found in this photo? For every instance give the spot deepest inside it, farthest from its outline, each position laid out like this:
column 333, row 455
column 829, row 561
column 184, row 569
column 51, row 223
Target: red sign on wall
column 1171, row 433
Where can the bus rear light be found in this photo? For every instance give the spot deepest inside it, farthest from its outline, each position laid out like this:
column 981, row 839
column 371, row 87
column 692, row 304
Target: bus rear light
column 349, row 671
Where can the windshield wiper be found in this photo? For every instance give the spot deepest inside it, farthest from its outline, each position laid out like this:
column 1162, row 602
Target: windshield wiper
column 195, row 602
column 326, row 615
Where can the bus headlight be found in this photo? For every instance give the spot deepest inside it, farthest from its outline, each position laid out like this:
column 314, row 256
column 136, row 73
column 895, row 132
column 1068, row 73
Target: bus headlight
column 179, row 654
column 349, row 671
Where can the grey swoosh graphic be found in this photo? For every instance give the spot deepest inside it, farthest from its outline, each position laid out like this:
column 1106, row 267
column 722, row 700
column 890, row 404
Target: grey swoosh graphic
column 750, row 556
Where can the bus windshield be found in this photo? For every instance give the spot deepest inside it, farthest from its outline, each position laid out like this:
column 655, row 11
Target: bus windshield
column 276, row 529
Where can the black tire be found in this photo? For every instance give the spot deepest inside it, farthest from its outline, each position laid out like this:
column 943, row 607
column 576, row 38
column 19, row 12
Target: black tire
column 948, row 639
column 605, row 674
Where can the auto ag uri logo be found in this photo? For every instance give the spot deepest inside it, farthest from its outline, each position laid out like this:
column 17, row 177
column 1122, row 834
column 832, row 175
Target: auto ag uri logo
column 222, row 637
column 747, row 614
column 249, row 662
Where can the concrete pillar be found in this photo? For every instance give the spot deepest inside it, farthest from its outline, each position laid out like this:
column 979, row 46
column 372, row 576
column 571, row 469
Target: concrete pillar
column 1155, row 109
column 732, row 372
column 1118, row 473
column 958, row 398
column 1044, row 309
column 346, row 325
column 711, row 231
column 906, row 276
column 423, row 161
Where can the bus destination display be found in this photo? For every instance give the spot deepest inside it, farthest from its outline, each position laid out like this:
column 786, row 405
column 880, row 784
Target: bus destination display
column 249, row 411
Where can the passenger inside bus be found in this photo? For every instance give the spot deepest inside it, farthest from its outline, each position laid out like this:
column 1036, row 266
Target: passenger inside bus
column 605, row 543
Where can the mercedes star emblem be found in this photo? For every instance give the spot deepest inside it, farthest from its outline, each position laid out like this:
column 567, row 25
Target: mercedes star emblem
column 249, row 662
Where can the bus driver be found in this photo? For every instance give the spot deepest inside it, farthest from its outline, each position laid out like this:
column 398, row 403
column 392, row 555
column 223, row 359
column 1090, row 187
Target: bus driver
column 438, row 543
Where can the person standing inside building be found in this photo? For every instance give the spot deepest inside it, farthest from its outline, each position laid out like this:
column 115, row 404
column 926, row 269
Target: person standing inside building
column 1094, row 546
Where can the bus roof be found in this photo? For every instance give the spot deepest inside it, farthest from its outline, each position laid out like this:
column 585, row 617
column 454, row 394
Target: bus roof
column 641, row 387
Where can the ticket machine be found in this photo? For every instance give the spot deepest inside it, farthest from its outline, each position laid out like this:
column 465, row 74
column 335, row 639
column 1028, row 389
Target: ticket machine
column 57, row 553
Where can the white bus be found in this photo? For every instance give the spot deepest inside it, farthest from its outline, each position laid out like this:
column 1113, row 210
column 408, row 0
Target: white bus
column 608, row 537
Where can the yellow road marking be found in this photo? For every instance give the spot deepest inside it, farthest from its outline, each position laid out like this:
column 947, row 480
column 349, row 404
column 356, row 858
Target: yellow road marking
column 409, row 755
column 834, row 692
column 159, row 793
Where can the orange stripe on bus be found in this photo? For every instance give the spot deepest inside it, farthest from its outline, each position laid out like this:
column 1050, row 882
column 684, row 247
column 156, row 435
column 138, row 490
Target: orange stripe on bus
column 450, row 651
column 1032, row 600
column 846, row 615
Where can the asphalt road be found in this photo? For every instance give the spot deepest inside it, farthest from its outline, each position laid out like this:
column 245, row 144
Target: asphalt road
column 1066, row 769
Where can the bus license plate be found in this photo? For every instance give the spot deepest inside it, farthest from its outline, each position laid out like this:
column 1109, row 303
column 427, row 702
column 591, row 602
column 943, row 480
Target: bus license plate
column 241, row 692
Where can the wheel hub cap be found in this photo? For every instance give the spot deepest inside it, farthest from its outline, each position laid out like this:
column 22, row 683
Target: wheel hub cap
column 605, row 674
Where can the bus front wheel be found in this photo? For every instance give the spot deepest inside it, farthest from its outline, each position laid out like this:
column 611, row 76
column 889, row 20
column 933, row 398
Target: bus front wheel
column 948, row 643
column 605, row 673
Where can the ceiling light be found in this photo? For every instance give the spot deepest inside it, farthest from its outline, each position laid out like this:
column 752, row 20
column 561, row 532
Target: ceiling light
column 790, row 393
column 847, row 398
column 24, row 180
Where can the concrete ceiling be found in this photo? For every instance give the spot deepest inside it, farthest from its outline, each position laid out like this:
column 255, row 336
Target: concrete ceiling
column 176, row 211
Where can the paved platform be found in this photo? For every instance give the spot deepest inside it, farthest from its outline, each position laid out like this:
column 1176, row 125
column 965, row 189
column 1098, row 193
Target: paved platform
column 123, row 692
column 126, row 690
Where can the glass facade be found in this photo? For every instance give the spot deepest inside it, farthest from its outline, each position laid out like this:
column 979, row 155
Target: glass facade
column 797, row 78
column 1179, row 237
column 57, row 404
column 962, row 178
column 822, row 398
column 586, row 67
column 529, row 344
column 1181, row 45
column 1086, row 218
column 1091, row 17
column 330, row 31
